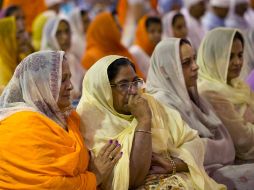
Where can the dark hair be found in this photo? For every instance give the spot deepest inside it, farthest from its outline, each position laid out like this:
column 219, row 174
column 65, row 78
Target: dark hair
column 115, row 66
column 175, row 17
column 10, row 10
column 83, row 12
column 152, row 20
column 184, row 41
column 239, row 36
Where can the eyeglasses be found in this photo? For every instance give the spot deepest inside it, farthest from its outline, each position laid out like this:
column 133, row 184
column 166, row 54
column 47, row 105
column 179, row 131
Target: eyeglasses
column 125, row 86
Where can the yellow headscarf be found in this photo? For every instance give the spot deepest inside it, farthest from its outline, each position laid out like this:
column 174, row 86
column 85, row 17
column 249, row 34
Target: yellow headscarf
column 213, row 60
column 8, row 52
column 37, row 27
column 170, row 135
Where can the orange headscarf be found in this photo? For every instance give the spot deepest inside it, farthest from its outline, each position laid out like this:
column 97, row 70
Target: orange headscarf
column 142, row 39
column 104, row 38
column 31, row 9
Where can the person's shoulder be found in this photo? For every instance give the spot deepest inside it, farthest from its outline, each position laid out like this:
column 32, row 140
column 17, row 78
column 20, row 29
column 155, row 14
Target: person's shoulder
column 28, row 117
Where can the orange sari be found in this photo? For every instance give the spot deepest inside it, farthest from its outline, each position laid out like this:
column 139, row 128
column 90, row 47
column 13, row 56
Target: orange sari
column 37, row 154
column 31, row 9
column 104, row 38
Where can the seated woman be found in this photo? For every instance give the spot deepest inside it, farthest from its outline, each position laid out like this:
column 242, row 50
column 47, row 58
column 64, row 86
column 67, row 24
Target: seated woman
column 154, row 138
column 148, row 35
column 174, row 25
column 57, row 36
column 172, row 80
column 104, row 38
column 220, row 59
column 41, row 145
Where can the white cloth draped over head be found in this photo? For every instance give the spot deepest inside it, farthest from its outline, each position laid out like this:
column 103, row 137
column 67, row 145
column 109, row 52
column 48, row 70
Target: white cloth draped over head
column 35, row 86
column 213, row 60
column 79, row 36
column 233, row 103
column 166, row 82
column 189, row 3
column 170, row 135
column 167, row 24
column 49, row 42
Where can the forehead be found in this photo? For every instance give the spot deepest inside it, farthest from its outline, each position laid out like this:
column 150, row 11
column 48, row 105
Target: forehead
column 65, row 66
column 154, row 25
column 186, row 51
column 63, row 24
column 125, row 73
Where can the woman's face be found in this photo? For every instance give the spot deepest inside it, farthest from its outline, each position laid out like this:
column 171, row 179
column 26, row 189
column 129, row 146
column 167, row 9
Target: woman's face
column 86, row 21
column 63, row 35
column 125, row 75
column 154, row 31
column 179, row 28
column 236, row 60
column 64, row 100
column 189, row 66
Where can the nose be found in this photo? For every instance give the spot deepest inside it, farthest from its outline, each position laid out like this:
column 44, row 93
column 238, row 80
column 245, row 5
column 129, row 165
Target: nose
column 132, row 90
column 70, row 86
column 195, row 67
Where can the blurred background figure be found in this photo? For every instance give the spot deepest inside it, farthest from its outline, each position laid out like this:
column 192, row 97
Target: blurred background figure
column 236, row 19
column 148, row 35
column 165, row 6
column 174, row 25
column 216, row 14
column 57, row 35
column 79, row 20
column 193, row 12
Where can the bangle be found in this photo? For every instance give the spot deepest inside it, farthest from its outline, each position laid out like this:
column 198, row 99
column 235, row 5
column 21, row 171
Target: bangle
column 173, row 165
column 143, row 131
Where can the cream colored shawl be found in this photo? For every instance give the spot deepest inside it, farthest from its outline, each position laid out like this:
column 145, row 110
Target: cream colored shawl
column 233, row 103
column 166, row 83
column 213, row 60
column 170, row 135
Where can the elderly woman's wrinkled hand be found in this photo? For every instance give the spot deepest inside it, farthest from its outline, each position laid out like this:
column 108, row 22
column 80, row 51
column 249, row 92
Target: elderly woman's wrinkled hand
column 103, row 164
column 139, row 107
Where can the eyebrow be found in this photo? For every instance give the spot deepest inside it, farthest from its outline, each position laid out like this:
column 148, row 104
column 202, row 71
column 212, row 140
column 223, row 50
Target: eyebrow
column 126, row 80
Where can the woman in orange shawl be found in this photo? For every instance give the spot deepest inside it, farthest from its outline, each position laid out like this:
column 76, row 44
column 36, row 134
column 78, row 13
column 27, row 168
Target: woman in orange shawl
column 104, row 38
column 148, row 35
column 30, row 8
column 40, row 142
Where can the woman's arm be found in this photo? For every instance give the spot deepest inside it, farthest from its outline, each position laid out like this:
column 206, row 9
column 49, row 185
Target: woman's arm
column 161, row 165
column 141, row 153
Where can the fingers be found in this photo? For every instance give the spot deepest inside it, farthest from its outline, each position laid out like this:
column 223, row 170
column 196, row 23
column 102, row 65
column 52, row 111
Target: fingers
column 112, row 147
column 104, row 148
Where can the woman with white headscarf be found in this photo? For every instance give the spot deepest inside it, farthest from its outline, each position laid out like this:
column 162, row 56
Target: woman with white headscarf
column 172, row 79
column 220, row 59
column 79, row 20
column 57, row 35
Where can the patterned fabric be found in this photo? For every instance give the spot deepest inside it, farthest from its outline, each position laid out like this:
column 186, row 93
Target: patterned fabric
column 35, row 86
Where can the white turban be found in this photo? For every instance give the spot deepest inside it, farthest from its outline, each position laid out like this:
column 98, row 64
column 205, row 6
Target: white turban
column 220, row 3
column 189, row 3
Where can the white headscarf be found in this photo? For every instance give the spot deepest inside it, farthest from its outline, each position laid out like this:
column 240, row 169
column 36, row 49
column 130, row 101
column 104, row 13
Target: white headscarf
column 49, row 41
column 166, row 83
column 35, row 86
column 167, row 24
